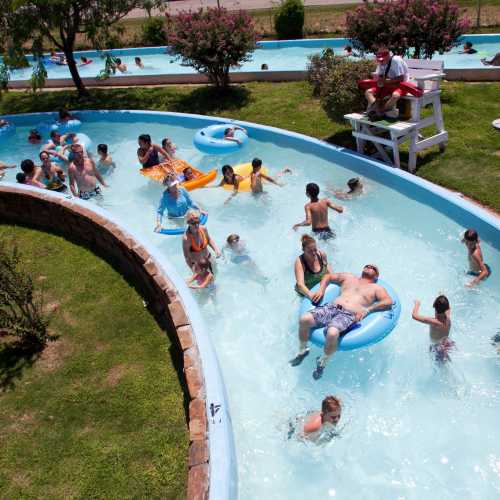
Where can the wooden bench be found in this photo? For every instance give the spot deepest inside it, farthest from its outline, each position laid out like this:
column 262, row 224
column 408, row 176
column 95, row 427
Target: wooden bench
column 427, row 75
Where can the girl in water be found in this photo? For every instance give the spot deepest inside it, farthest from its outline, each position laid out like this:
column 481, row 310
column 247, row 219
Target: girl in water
column 203, row 275
column 230, row 178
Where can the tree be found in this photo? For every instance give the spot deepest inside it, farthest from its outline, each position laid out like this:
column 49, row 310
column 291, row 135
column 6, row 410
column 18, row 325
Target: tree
column 27, row 24
column 212, row 41
column 289, row 19
column 417, row 28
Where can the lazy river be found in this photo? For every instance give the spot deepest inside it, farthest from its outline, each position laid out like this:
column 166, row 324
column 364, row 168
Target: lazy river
column 291, row 55
column 409, row 429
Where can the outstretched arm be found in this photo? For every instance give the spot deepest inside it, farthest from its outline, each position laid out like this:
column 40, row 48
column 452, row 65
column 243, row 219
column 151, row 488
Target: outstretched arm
column 424, row 319
column 335, row 207
column 270, row 179
column 307, row 221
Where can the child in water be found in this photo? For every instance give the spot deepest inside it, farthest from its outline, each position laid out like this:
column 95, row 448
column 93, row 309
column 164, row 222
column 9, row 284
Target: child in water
column 34, row 137
column 203, row 276
column 229, row 134
column 256, row 176
column 105, row 164
column 319, row 426
column 477, row 266
column 139, row 63
column 238, row 254
column 439, row 328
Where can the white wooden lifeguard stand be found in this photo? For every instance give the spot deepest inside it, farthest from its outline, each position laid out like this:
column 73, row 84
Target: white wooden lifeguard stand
column 427, row 75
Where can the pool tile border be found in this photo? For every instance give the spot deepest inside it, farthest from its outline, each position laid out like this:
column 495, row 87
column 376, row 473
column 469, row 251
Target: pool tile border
column 20, row 204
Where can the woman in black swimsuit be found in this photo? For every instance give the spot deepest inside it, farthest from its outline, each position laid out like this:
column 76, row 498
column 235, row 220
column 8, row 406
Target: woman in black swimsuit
column 310, row 267
column 148, row 153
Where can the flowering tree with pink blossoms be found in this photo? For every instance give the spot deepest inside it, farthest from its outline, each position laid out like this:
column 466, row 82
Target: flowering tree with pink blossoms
column 212, row 41
column 417, row 28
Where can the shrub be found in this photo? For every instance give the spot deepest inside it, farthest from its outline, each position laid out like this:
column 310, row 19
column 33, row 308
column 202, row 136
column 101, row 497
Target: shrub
column 153, row 32
column 289, row 20
column 415, row 28
column 339, row 91
column 318, row 68
column 212, row 41
column 20, row 311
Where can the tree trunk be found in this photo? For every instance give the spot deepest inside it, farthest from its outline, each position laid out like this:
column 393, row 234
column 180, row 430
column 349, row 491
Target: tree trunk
column 478, row 18
column 73, row 69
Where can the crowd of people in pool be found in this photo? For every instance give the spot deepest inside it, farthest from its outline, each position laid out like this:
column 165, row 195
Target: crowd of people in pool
column 359, row 295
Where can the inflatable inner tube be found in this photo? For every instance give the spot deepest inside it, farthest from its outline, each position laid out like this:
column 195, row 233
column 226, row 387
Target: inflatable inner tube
column 46, row 128
column 244, row 169
column 210, row 140
column 7, row 130
column 182, row 229
column 370, row 330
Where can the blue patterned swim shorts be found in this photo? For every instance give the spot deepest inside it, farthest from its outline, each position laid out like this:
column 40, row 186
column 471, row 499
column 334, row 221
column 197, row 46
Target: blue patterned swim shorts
column 333, row 315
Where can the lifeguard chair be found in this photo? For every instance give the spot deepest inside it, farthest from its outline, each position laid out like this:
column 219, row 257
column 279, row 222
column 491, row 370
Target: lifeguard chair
column 427, row 75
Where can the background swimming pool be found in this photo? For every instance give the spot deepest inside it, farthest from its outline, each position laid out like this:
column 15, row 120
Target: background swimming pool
column 409, row 430
column 279, row 56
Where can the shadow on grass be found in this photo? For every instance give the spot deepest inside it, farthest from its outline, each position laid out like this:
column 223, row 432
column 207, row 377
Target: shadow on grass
column 15, row 358
column 343, row 138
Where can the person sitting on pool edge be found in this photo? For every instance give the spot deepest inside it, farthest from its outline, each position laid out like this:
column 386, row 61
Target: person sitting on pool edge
column 175, row 199
column 310, row 268
column 229, row 134
column 439, row 328
column 149, row 153
column 317, row 213
column 358, row 298
column 467, row 49
column 196, row 240
column 478, row 268
column 355, row 189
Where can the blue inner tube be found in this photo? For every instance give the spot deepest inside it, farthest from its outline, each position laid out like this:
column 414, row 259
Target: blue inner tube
column 182, row 230
column 45, row 128
column 370, row 330
column 210, row 140
column 7, row 130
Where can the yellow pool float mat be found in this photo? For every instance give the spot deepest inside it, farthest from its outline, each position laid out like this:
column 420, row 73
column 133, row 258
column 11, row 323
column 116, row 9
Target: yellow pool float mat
column 244, row 169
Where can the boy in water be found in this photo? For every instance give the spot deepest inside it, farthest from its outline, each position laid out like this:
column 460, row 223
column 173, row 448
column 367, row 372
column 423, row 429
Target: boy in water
column 439, row 328
column 139, row 63
column 355, row 189
column 320, row 426
column 317, row 213
column 478, row 268
column 238, row 254
column 105, row 164
column 256, row 177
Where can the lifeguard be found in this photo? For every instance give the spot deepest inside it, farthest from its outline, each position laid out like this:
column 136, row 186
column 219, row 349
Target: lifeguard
column 390, row 83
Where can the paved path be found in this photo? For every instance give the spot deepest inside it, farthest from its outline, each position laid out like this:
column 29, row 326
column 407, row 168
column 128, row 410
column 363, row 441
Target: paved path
column 235, row 4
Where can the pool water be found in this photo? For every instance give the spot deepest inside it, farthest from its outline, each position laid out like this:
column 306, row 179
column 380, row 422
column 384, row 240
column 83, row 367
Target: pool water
column 279, row 56
column 409, row 429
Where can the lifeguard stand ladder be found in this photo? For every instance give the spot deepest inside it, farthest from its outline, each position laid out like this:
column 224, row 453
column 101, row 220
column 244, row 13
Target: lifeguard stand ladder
column 427, row 75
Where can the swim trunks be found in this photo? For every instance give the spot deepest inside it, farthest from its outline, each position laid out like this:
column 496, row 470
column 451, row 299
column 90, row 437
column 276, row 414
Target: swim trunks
column 476, row 273
column 86, row 195
column 324, row 233
column 333, row 315
column 441, row 350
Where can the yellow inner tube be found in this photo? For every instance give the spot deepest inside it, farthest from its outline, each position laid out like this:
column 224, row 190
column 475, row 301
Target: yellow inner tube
column 244, row 169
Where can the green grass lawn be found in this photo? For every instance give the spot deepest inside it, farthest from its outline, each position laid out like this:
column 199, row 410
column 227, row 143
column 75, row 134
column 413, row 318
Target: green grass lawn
column 100, row 414
column 470, row 164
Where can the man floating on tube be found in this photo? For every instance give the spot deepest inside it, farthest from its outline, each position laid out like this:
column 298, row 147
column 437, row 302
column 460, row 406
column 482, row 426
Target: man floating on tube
column 389, row 84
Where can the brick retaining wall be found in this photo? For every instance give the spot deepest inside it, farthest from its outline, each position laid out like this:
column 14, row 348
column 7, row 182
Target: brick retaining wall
column 83, row 225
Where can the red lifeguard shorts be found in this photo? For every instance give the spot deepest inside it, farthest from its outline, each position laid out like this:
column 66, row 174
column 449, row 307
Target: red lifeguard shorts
column 401, row 88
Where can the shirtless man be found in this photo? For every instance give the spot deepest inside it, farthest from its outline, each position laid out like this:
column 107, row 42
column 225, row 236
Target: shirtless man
column 84, row 175
column 358, row 298
column 317, row 213
column 478, row 268
column 439, row 328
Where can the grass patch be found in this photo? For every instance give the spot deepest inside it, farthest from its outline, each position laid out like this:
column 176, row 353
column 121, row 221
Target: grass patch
column 470, row 164
column 100, row 413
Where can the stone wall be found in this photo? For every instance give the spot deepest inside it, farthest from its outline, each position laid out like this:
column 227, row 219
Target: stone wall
column 79, row 222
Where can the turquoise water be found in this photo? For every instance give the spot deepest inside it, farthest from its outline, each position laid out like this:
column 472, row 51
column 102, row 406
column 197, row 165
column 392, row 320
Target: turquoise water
column 279, row 56
column 409, row 430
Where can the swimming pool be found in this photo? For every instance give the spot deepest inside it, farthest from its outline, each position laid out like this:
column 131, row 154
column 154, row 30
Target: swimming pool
column 278, row 55
column 409, row 430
